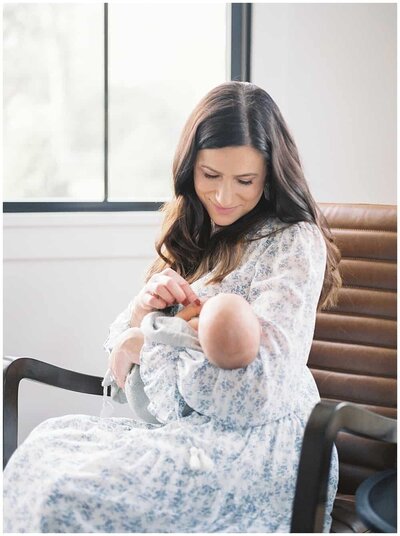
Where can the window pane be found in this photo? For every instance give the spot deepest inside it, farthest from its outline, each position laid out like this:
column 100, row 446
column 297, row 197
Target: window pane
column 163, row 58
column 53, row 102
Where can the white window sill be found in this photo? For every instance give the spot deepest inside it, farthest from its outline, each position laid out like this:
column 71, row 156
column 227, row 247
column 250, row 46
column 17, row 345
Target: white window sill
column 81, row 219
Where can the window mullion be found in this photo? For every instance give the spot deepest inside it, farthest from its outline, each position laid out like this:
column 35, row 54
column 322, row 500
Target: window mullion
column 106, row 101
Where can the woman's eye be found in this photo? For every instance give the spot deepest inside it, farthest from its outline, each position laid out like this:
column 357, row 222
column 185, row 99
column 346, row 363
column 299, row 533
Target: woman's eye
column 245, row 183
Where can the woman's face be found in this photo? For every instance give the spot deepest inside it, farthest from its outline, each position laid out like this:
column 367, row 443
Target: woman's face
column 229, row 181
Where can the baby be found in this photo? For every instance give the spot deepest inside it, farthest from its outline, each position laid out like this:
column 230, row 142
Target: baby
column 228, row 330
column 224, row 328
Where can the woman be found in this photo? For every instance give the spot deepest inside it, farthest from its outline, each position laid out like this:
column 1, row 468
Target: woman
column 242, row 221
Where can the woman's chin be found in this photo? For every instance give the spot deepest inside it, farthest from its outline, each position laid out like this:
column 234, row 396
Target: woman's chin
column 224, row 220
column 224, row 223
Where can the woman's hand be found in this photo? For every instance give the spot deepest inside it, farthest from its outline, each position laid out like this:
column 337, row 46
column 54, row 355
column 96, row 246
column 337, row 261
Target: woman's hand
column 162, row 290
column 125, row 354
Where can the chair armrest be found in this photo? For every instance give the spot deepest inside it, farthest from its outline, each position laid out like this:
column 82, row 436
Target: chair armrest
column 326, row 420
column 16, row 369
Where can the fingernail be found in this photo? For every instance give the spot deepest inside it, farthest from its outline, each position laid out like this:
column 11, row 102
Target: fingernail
column 197, row 302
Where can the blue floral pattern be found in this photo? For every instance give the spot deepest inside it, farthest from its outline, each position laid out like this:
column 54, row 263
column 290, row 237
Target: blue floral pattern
column 230, row 465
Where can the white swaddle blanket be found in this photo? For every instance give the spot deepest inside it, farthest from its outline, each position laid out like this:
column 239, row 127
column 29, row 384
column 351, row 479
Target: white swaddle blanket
column 157, row 327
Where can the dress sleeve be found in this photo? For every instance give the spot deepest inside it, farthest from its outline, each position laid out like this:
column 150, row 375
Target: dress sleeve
column 158, row 370
column 284, row 293
column 120, row 324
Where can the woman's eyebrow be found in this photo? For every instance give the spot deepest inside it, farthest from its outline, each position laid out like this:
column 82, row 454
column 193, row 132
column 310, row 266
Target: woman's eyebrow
column 242, row 175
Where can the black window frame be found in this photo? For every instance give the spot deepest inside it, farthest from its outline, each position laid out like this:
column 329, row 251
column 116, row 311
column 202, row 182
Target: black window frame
column 240, row 70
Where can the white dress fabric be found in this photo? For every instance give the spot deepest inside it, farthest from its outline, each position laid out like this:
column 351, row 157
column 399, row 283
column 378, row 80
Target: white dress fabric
column 230, row 465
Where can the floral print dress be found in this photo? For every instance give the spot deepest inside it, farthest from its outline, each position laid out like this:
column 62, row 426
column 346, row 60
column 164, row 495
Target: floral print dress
column 228, row 466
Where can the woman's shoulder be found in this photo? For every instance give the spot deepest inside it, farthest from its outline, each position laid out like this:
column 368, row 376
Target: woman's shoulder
column 279, row 237
column 271, row 225
column 276, row 228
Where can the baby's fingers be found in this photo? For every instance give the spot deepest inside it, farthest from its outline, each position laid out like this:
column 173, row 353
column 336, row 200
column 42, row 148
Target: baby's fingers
column 189, row 311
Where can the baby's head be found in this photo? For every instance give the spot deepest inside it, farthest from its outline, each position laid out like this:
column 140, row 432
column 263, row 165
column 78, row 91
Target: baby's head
column 229, row 331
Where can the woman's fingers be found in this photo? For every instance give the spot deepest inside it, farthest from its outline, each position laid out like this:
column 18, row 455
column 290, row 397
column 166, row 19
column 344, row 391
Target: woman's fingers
column 179, row 287
column 170, row 290
column 166, row 288
column 191, row 297
column 153, row 301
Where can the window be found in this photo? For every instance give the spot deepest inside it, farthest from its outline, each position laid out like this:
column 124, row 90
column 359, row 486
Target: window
column 162, row 60
column 95, row 98
column 53, row 102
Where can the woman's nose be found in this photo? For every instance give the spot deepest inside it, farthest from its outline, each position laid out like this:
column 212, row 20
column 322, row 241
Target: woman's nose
column 224, row 196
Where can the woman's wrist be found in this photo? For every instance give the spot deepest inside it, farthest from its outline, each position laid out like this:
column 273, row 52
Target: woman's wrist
column 137, row 314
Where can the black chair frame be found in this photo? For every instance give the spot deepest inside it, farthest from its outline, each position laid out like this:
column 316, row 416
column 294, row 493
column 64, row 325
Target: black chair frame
column 326, row 420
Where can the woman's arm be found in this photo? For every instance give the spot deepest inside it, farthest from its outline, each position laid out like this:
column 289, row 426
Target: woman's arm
column 125, row 354
column 163, row 289
column 127, row 348
column 284, row 293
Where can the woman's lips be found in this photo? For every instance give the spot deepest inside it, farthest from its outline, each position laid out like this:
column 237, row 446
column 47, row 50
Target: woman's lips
column 222, row 210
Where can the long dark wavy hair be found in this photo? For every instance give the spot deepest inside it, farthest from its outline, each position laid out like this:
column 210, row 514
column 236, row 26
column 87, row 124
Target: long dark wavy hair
column 236, row 114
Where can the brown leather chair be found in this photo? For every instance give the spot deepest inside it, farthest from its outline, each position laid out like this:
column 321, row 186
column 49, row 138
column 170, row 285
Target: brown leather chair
column 353, row 359
column 353, row 356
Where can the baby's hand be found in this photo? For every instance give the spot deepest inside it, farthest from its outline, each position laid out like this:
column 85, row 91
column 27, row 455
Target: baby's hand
column 194, row 323
column 189, row 312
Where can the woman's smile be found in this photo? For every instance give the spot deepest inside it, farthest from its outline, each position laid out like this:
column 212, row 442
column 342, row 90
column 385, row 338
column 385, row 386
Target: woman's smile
column 229, row 181
column 223, row 210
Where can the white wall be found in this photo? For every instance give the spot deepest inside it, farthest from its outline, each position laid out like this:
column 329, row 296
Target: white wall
column 331, row 69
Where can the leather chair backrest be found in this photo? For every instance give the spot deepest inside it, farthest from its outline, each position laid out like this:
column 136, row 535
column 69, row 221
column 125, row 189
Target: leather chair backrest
column 353, row 356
